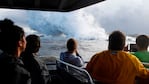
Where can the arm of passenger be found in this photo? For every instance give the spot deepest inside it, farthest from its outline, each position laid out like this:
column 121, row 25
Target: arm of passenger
column 141, row 70
column 77, row 54
column 78, row 62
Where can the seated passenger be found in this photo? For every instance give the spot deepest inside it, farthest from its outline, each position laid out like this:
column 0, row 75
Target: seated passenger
column 142, row 53
column 142, row 42
column 12, row 44
column 115, row 66
column 71, row 55
column 37, row 68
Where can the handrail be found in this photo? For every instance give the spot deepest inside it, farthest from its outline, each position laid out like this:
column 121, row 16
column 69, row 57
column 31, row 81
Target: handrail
column 50, row 63
column 76, row 68
column 145, row 63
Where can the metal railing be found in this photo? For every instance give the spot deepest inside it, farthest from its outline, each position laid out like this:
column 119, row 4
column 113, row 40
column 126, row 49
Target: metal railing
column 75, row 71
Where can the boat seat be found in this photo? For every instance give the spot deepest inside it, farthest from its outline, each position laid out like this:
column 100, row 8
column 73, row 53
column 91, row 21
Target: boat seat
column 78, row 73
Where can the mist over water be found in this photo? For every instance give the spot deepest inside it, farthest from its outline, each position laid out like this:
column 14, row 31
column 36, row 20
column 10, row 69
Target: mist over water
column 129, row 16
column 80, row 24
column 58, row 27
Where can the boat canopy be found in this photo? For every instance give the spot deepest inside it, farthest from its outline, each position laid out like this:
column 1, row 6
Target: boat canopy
column 47, row 5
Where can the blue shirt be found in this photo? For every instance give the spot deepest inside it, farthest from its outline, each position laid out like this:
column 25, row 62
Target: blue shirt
column 72, row 59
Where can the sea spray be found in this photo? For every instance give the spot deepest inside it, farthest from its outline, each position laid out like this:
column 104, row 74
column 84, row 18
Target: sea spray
column 78, row 24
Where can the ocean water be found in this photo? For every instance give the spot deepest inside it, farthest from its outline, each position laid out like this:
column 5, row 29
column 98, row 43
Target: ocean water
column 52, row 46
column 86, row 48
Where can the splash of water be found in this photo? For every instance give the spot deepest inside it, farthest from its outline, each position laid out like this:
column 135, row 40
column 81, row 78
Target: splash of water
column 78, row 24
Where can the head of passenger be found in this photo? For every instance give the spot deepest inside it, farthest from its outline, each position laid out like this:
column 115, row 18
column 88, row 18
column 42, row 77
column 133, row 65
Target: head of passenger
column 142, row 42
column 12, row 37
column 71, row 44
column 116, row 41
column 33, row 43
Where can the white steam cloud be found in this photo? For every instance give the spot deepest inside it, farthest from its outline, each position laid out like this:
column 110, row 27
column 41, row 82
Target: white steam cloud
column 78, row 24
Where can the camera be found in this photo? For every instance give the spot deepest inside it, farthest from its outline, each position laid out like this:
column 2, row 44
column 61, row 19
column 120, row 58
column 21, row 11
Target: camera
column 132, row 48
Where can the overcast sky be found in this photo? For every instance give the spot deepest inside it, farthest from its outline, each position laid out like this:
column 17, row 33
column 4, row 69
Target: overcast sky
column 130, row 16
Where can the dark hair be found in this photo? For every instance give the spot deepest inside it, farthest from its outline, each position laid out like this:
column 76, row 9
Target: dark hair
column 142, row 41
column 116, row 41
column 10, row 34
column 33, row 43
column 71, row 44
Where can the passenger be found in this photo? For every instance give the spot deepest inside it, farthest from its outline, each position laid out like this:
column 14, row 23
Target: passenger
column 37, row 68
column 142, row 42
column 71, row 55
column 115, row 66
column 12, row 44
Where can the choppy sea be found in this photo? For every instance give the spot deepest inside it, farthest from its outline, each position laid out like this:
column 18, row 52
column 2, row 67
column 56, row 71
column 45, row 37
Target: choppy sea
column 86, row 48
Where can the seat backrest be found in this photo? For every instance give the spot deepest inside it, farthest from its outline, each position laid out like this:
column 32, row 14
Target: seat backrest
column 77, row 72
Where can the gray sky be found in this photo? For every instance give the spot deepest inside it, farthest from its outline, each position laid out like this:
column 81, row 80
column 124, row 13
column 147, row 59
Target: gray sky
column 130, row 16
